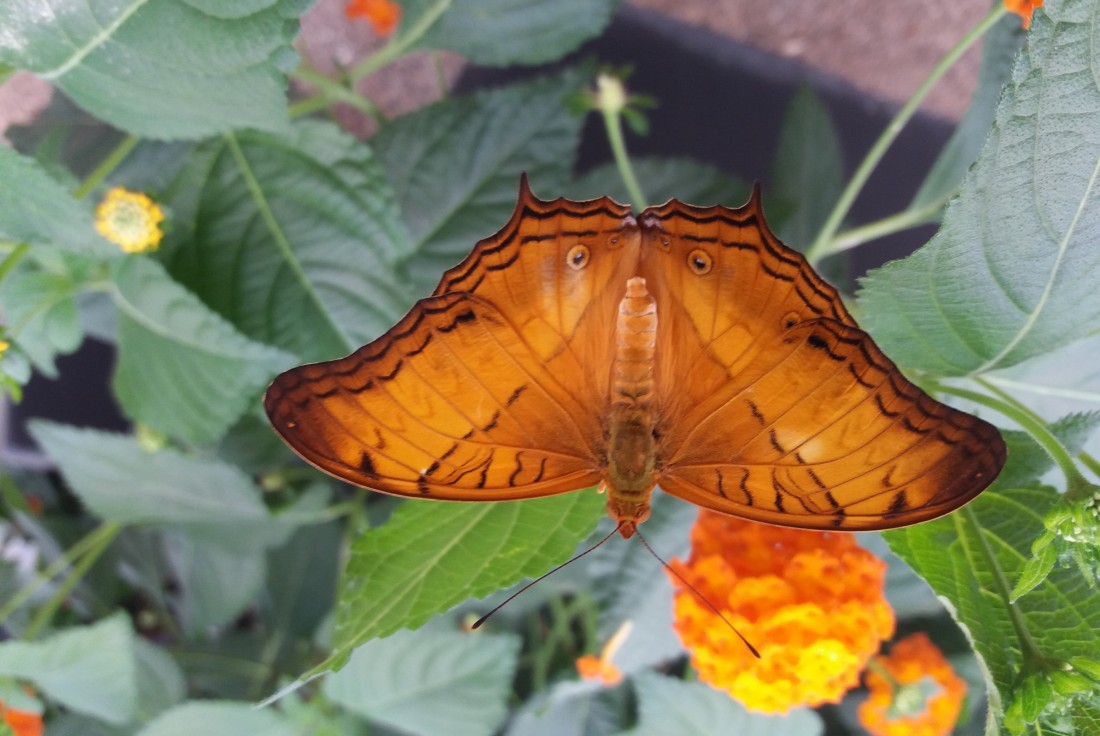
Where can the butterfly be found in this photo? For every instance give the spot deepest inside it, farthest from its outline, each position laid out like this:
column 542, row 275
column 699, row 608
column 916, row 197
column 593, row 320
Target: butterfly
column 684, row 347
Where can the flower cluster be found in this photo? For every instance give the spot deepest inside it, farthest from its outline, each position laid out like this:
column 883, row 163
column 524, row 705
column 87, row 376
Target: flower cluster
column 1023, row 8
column 811, row 602
column 383, row 15
column 21, row 722
column 913, row 691
column 130, row 220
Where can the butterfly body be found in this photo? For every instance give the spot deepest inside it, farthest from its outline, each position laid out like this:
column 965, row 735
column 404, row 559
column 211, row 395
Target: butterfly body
column 684, row 347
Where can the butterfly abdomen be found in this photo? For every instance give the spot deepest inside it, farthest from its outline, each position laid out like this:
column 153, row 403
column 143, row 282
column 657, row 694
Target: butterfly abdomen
column 631, row 447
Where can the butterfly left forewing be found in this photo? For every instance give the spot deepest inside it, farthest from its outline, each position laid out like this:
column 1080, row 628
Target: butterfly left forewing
column 775, row 406
column 450, row 403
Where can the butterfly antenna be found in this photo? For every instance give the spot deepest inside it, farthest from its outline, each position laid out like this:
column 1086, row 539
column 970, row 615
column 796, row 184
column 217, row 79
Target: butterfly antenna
column 698, row 595
column 545, row 575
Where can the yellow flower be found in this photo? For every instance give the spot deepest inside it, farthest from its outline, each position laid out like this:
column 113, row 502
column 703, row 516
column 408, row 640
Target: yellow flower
column 4, row 345
column 913, row 691
column 130, row 220
column 1023, row 8
column 601, row 668
column 811, row 602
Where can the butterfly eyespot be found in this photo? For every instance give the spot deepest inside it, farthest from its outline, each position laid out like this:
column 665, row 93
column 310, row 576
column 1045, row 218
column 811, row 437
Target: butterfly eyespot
column 665, row 244
column 577, row 257
column 790, row 319
column 700, row 262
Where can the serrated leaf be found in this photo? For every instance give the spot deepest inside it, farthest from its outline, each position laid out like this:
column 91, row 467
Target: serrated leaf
column 1035, row 570
column 431, row 556
column 121, row 482
column 292, row 239
column 662, row 179
column 430, row 682
column 162, row 68
column 42, row 315
column 808, row 171
column 1009, row 275
column 455, row 165
column 668, row 706
column 219, row 718
column 88, row 669
column 967, row 556
column 571, row 708
column 181, row 368
column 522, row 31
column 999, row 47
column 36, row 209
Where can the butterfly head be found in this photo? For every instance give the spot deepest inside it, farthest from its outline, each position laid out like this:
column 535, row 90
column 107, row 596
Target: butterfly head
column 628, row 514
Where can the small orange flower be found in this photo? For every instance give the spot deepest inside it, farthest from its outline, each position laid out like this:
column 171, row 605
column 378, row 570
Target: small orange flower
column 1023, row 8
column 913, row 691
column 21, row 722
column 383, row 15
column 600, row 668
column 811, row 602
column 130, row 220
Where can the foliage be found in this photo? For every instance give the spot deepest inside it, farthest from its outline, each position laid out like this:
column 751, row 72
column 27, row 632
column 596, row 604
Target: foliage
column 189, row 568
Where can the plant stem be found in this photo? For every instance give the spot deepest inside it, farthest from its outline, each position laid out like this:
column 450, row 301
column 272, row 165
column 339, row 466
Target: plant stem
column 100, row 539
column 330, row 90
column 401, row 43
column 109, row 164
column 12, row 259
column 886, row 226
column 613, row 122
column 823, row 245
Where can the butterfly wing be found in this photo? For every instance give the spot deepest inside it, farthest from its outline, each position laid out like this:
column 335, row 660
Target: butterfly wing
column 480, row 391
column 774, row 405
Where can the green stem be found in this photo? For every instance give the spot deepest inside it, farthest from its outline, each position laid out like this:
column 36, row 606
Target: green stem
column 440, row 75
column 886, row 226
column 1032, row 653
column 12, row 259
column 109, row 164
column 330, row 89
column 1077, row 486
column 308, row 106
column 612, row 120
column 401, row 43
column 1090, row 462
column 823, row 245
column 101, row 538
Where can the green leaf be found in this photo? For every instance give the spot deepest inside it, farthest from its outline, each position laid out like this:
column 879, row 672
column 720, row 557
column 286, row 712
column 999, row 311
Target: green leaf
column 181, row 368
column 455, row 165
column 36, row 209
column 970, row 558
column 999, row 48
column 430, row 682
column 301, row 586
column 431, row 556
column 1010, row 274
column 88, row 669
column 119, row 481
column 162, row 68
column 668, row 706
column 42, row 315
column 808, row 173
column 1036, row 569
column 505, row 32
column 216, row 583
column 664, row 179
column 160, row 681
column 292, row 239
column 219, row 718
column 1027, row 460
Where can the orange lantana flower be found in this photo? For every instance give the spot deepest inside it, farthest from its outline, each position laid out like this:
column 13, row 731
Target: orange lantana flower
column 600, row 668
column 1023, row 8
column 811, row 602
column 383, row 15
column 21, row 722
column 914, row 691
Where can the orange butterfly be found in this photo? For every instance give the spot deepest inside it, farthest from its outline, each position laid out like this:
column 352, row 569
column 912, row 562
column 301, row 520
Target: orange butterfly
column 685, row 347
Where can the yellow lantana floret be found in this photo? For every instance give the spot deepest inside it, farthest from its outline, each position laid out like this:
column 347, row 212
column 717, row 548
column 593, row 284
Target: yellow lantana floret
column 130, row 220
column 811, row 602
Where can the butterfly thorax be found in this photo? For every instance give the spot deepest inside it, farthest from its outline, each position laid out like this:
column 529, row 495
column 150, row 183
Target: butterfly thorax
column 631, row 446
